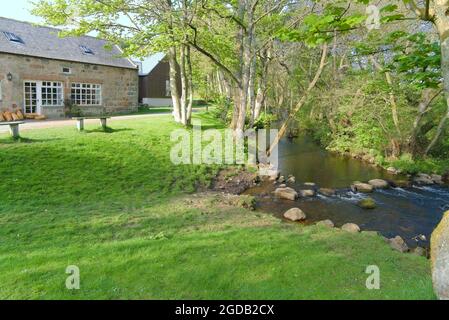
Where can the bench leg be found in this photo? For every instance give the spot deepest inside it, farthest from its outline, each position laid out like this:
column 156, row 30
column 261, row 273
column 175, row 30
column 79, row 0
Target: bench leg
column 80, row 124
column 14, row 130
column 103, row 123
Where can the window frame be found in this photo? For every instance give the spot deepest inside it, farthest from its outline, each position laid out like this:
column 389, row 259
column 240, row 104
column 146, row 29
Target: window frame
column 77, row 97
column 51, row 88
column 68, row 72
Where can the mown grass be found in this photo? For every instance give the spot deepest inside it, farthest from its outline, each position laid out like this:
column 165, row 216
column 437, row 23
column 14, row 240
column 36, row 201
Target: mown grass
column 112, row 204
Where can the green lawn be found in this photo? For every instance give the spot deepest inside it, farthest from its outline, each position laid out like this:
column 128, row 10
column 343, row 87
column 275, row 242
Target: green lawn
column 114, row 205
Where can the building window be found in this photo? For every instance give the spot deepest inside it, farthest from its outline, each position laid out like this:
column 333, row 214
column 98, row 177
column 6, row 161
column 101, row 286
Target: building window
column 86, row 94
column 86, row 50
column 52, row 94
column 167, row 88
column 66, row 70
column 12, row 37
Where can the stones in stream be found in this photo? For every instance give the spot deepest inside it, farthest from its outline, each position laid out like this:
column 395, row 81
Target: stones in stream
column 295, row 214
column 437, row 179
column 351, row 227
column 291, row 179
column 327, row 192
column 419, row 251
column 423, row 179
column 286, row 193
column 362, row 187
column 398, row 244
column 310, row 184
column 326, row 223
column 307, row 193
column 368, row 204
column 379, row 184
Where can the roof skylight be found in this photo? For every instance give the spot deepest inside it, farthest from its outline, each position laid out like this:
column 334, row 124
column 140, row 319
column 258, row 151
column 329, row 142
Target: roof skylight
column 13, row 37
column 86, row 50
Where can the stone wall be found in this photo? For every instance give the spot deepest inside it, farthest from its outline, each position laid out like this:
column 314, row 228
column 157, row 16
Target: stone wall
column 119, row 85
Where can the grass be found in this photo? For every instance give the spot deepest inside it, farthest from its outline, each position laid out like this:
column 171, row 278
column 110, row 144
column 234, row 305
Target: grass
column 112, row 204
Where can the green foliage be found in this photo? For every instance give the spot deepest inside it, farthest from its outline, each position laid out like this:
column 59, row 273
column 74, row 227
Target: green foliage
column 265, row 120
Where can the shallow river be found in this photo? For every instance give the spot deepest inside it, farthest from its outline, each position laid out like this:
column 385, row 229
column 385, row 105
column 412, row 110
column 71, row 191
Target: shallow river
column 408, row 212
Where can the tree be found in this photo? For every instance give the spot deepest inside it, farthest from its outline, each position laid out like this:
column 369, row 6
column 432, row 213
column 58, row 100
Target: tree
column 141, row 28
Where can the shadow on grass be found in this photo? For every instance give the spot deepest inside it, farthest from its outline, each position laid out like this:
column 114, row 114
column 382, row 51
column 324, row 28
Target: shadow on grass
column 11, row 140
column 107, row 130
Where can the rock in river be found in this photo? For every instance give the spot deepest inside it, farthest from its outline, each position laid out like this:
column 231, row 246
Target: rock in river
column 379, row 184
column 351, row 227
column 437, row 178
column 362, row 187
column 286, row 193
column 310, row 184
column 327, row 192
column 420, row 251
column 398, row 244
column 440, row 258
column 326, row 223
column 423, row 179
column 307, row 193
column 295, row 214
column 367, row 203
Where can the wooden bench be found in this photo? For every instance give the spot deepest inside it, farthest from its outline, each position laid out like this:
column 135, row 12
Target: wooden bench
column 13, row 127
column 80, row 121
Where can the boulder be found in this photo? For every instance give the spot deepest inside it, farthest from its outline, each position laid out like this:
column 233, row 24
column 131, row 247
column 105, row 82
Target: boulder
column 283, row 186
column 362, row 187
column 423, row 179
column 437, row 179
column 295, row 214
column 398, row 244
column 420, row 251
column 327, row 192
column 326, row 223
column 379, row 184
column 273, row 175
column 401, row 184
column 393, row 170
column 307, row 193
column 367, row 203
column 440, row 258
column 310, row 184
column 281, row 179
column 286, row 193
column 291, row 180
column 351, row 227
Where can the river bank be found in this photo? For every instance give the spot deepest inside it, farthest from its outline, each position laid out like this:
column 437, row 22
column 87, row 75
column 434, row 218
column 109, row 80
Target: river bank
column 409, row 206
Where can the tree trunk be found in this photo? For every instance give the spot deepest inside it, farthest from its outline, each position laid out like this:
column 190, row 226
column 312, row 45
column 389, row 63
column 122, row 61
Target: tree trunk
column 441, row 21
column 261, row 91
column 394, row 107
column 303, row 100
column 252, row 89
column 174, row 67
column 184, row 85
column 439, row 132
column 189, row 84
column 428, row 96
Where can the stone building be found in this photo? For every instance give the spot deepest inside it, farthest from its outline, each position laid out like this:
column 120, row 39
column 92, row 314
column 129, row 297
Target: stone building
column 42, row 73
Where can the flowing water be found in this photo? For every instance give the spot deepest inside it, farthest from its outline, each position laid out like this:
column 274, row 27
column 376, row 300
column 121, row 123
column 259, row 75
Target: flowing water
column 407, row 212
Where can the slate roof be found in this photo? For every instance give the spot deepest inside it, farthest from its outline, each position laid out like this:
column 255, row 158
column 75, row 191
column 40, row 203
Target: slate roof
column 44, row 42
